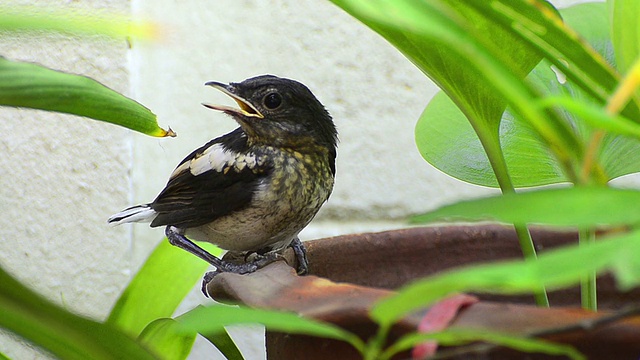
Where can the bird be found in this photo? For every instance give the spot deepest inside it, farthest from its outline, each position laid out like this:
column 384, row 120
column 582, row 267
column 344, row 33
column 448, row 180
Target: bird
column 254, row 189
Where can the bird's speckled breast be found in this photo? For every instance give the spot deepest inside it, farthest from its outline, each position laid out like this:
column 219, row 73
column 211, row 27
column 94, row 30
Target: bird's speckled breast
column 283, row 204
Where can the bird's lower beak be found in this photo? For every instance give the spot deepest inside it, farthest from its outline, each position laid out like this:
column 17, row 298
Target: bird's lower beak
column 246, row 109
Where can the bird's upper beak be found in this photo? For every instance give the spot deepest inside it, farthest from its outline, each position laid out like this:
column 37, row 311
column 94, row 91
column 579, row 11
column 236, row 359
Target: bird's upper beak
column 246, row 108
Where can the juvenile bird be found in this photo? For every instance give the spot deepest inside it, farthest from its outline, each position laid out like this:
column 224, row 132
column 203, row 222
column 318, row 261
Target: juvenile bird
column 254, row 189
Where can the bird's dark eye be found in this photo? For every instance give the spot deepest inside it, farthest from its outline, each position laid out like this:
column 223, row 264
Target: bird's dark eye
column 272, row 101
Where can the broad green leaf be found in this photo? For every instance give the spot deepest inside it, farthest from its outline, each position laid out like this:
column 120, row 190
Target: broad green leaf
column 625, row 31
column 36, row 87
column 476, row 63
column 553, row 270
column 158, row 288
column 573, row 207
column 165, row 338
column 441, row 128
column 71, row 21
column 3, row 357
column 225, row 344
column 64, row 334
column 455, row 337
column 213, row 319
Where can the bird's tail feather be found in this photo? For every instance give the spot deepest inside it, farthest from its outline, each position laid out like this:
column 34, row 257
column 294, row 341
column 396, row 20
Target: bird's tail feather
column 138, row 213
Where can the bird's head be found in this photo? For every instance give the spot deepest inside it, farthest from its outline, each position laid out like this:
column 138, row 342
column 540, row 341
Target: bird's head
column 278, row 112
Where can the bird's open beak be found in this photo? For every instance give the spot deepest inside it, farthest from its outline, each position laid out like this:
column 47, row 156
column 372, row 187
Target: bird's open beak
column 246, row 109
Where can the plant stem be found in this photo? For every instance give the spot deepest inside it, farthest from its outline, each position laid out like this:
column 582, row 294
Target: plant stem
column 623, row 93
column 588, row 288
column 375, row 345
column 529, row 252
column 498, row 164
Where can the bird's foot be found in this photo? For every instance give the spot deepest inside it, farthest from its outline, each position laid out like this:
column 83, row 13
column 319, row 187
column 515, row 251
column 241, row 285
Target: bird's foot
column 258, row 261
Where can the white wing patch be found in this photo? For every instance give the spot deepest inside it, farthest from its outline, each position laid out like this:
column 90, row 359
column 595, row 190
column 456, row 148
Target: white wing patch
column 217, row 158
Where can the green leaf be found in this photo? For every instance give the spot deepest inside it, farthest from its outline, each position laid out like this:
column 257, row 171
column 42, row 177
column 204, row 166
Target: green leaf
column 595, row 116
column 36, row 87
column 213, row 319
column 576, row 207
column 3, row 357
column 64, row 334
column 456, row 337
column 442, row 127
column 225, row 344
column 71, row 21
column 553, row 270
column 465, row 54
column 158, row 288
column 165, row 338
column 625, row 31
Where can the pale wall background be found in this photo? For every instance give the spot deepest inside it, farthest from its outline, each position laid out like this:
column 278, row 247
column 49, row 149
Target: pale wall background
column 61, row 177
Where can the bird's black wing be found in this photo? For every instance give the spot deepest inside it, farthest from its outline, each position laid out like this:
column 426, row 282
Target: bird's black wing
column 213, row 181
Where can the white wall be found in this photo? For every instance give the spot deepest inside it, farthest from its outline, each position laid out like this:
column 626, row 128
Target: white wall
column 61, row 177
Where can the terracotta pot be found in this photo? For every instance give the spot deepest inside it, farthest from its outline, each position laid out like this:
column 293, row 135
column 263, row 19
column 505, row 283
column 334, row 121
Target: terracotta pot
column 349, row 273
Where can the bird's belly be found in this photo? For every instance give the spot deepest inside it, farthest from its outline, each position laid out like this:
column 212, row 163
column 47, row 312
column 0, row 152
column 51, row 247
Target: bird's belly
column 264, row 224
column 249, row 230
column 282, row 206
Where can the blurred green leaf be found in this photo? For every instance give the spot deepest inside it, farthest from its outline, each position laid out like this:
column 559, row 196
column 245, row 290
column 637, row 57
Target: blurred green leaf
column 213, row 319
column 64, row 334
column 625, row 31
column 480, row 65
column 71, row 21
column 36, row 87
column 165, row 338
column 553, row 269
column 157, row 289
column 441, row 128
column 558, row 41
column 594, row 116
column 571, row 207
column 457, row 337
column 225, row 344
column 3, row 357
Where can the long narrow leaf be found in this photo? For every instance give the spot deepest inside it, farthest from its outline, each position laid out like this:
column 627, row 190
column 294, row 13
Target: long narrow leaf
column 460, row 337
column 63, row 333
column 553, row 270
column 225, row 344
column 213, row 319
column 625, row 31
column 576, row 207
column 165, row 338
column 594, row 115
column 71, row 21
column 158, row 288
column 36, row 87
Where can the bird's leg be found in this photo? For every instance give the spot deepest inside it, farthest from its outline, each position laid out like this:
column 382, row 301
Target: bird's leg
column 179, row 240
column 301, row 256
column 176, row 238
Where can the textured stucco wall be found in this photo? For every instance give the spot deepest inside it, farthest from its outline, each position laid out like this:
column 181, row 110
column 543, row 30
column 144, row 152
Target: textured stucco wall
column 61, row 176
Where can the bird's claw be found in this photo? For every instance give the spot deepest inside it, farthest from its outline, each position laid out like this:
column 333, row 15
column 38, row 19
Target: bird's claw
column 244, row 268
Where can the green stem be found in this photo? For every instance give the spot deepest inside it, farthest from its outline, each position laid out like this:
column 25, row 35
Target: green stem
column 529, row 253
column 375, row 345
column 588, row 291
column 491, row 144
